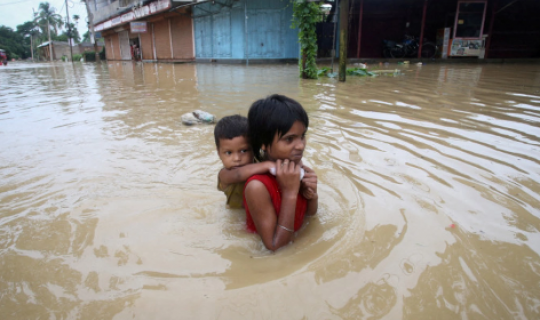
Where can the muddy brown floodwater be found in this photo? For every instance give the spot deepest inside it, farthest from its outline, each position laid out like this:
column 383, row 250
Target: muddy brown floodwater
column 429, row 188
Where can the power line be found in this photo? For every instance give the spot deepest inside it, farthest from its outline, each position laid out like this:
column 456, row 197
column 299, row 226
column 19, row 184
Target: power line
column 79, row 9
column 14, row 2
column 60, row 11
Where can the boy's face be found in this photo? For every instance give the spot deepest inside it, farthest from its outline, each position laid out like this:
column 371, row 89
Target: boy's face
column 235, row 152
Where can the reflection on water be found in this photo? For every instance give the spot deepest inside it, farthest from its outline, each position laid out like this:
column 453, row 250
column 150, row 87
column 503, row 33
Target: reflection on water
column 429, row 195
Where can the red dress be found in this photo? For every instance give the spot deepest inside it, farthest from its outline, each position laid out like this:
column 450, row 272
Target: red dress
column 271, row 184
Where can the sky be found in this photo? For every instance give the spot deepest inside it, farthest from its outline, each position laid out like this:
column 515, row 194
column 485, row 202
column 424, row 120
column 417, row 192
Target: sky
column 15, row 12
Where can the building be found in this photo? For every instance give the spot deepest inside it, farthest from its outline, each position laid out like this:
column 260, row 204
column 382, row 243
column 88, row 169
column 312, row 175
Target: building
column 225, row 30
column 504, row 28
column 254, row 30
column 259, row 30
column 61, row 48
column 154, row 30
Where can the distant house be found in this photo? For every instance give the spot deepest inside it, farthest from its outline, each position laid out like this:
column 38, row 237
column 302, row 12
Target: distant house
column 257, row 30
column 61, row 48
column 89, row 46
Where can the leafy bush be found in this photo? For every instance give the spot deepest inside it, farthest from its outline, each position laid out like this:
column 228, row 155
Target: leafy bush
column 89, row 56
column 77, row 57
column 359, row 72
column 325, row 71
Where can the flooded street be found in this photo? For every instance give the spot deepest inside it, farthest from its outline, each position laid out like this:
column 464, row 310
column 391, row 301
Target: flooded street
column 429, row 186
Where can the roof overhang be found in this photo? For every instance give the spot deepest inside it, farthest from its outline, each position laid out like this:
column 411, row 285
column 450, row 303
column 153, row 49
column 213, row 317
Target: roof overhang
column 136, row 13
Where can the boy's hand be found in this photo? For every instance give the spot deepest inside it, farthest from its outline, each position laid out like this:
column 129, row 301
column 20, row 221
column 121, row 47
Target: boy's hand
column 270, row 165
column 308, row 186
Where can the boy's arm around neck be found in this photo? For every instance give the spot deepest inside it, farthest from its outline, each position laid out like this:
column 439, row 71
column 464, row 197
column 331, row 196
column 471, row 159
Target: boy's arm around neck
column 241, row 174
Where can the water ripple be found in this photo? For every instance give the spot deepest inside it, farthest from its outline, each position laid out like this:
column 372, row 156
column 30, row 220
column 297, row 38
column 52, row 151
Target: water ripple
column 428, row 182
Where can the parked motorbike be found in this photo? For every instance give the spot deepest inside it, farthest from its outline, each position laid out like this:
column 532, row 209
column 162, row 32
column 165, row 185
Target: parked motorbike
column 387, row 47
column 409, row 48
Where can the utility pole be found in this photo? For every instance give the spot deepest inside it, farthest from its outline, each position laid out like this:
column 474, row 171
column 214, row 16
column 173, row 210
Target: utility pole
column 422, row 30
column 69, row 31
column 92, row 33
column 343, row 35
column 335, row 19
column 31, row 31
column 32, row 47
column 50, row 44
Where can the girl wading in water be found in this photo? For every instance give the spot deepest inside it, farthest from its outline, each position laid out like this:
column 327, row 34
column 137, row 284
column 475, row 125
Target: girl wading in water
column 276, row 205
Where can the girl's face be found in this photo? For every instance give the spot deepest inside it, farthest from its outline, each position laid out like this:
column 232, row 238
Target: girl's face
column 289, row 146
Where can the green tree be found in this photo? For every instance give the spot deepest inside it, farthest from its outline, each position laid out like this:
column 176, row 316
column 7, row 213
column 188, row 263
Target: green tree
column 75, row 29
column 62, row 37
column 71, row 32
column 45, row 14
column 86, row 37
column 12, row 43
column 27, row 28
column 28, row 31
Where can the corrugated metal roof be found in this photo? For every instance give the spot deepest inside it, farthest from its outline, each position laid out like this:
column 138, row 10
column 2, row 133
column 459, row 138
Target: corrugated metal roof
column 65, row 43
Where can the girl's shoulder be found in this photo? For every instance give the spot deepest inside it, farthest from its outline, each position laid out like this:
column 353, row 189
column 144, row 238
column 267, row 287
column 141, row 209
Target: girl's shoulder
column 264, row 178
column 268, row 180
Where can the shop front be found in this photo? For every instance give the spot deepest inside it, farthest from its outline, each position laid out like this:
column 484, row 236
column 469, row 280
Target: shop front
column 151, row 32
column 468, row 37
column 472, row 28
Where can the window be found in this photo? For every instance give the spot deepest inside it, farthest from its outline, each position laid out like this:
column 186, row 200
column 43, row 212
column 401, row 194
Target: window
column 470, row 18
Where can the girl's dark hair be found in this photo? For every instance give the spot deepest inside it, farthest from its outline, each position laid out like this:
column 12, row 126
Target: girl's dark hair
column 271, row 115
column 230, row 127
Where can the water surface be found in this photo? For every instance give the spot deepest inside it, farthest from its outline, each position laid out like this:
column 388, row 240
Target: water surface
column 429, row 187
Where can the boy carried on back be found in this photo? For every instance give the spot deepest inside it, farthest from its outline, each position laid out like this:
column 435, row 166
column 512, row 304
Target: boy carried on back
column 234, row 150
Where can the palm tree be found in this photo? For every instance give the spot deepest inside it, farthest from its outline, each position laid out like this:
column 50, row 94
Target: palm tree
column 48, row 12
column 46, row 15
column 72, row 32
column 75, row 28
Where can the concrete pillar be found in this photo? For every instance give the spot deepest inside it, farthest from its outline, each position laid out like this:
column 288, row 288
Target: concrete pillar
column 170, row 38
column 343, row 37
column 360, row 17
column 422, row 29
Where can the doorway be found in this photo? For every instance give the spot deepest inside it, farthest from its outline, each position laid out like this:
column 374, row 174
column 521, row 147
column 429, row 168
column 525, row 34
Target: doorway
column 135, row 49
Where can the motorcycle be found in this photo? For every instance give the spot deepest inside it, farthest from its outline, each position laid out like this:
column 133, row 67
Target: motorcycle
column 387, row 47
column 409, row 48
